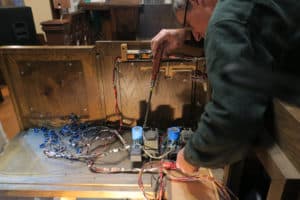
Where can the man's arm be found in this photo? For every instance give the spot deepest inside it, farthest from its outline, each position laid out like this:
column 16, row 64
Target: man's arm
column 234, row 116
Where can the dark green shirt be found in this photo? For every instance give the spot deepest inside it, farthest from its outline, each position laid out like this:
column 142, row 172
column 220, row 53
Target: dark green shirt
column 258, row 32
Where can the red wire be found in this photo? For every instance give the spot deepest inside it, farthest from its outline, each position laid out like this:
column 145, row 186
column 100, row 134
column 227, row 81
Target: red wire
column 161, row 184
column 117, row 109
column 163, row 171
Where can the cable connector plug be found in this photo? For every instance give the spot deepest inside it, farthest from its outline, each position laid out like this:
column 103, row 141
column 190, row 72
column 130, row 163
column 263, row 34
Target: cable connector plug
column 168, row 165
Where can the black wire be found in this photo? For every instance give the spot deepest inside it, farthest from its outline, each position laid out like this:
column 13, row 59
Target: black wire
column 185, row 12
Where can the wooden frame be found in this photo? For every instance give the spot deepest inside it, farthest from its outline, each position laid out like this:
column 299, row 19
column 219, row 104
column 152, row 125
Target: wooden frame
column 70, row 89
column 172, row 98
column 285, row 179
column 284, row 176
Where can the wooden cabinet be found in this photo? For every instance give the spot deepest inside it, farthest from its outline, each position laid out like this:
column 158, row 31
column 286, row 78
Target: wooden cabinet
column 74, row 29
column 175, row 100
column 47, row 83
column 119, row 19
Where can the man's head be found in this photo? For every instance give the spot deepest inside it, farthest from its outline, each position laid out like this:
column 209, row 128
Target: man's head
column 195, row 13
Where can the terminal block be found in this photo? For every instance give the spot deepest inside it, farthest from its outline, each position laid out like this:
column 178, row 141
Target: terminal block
column 151, row 141
column 136, row 153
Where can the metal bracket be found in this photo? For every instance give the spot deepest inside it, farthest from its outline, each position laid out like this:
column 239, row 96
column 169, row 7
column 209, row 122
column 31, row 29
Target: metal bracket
column 171, row 70
column 124, row 52
column 134, row 54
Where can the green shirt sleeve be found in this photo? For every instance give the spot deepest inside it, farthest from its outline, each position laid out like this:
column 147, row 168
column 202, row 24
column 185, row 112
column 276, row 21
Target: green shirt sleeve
column 234, row 116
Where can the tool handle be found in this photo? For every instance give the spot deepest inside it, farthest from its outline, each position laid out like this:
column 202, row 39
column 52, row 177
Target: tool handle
column 156, row 62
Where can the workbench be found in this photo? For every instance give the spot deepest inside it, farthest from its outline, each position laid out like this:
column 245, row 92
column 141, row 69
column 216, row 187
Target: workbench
column 26, row 172
column 48, row 83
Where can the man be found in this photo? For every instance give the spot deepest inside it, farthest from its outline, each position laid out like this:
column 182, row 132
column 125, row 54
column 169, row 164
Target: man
column 254, row 32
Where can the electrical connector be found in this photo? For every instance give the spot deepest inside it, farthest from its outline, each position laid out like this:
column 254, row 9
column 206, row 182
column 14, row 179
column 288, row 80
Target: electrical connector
column 169, row 165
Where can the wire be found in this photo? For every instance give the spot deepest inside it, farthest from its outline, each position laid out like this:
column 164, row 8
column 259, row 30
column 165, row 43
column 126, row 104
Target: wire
column 115, row 85
column 157, row 157
column 140, row 176
column 165, row 167
column 222, row 189
column 80, row 135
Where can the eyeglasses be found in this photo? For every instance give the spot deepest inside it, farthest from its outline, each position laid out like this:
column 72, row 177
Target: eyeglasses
column 185, row 13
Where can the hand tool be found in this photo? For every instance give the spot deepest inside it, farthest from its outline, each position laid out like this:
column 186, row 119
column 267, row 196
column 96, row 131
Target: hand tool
column 155, row 70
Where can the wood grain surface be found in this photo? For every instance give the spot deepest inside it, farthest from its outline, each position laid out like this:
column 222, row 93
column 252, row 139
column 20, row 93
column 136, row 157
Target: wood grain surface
column 172, row 101
column 8, row 117
column 47, row 84
column 287, row 128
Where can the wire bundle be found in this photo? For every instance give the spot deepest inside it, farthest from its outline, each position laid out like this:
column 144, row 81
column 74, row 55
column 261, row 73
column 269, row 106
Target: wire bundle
column 79, row 140
column 164, row 171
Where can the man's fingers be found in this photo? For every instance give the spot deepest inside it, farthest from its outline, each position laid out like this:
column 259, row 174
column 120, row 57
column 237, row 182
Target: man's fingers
column 166, row 52
column 158, row 40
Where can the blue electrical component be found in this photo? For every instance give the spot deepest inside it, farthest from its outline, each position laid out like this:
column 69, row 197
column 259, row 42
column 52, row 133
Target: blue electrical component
column 78, row 150
column 137, row 133
column 173, row 134
column 44, row 129
column 65, row 130
column 36, row 130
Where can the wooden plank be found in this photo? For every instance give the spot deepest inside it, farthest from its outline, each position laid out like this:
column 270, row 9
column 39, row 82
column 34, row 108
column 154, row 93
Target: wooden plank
column 44, row 49
column 17, row 110
column 8, row 117
column 276, row 190
column 277, row 165
column 49, row 83
column 112, row 48
column 171, row 99
column 287, row 128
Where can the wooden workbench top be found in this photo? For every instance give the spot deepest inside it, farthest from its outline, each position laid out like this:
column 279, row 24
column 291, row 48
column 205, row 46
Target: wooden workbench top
column 26, row 171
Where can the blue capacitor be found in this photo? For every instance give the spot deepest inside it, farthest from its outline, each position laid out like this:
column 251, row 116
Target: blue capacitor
column 137, row 133
column 173, row 134
column 36, row 130
column 44, row 129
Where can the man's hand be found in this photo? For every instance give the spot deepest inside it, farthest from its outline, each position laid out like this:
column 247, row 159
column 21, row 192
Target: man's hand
column 183, row 165
column 170, row 38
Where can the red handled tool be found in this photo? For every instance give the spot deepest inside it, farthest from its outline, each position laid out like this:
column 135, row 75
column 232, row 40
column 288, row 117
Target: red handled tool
column 155, row 70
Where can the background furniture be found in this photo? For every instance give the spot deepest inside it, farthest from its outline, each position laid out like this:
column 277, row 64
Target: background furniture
column 118, row 20
column 73, row 29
